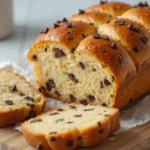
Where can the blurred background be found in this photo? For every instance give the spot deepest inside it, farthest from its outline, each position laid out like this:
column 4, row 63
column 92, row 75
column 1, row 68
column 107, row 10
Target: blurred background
column 30, row 17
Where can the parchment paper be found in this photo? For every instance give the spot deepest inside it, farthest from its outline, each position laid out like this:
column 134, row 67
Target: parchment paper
column 135, row 114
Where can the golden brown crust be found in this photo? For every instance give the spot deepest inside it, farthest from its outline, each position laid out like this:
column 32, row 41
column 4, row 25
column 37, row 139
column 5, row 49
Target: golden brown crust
column 12, row 116
column 130, row 39
column 111, row 8
column 95, row 18
column 69, row 37
column 140, row 15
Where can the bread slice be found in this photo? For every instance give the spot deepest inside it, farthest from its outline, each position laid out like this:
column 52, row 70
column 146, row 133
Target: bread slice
column 18, row 99
column 71, row 126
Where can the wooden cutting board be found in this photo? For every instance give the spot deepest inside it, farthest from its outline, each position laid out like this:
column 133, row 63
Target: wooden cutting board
column 137, row 138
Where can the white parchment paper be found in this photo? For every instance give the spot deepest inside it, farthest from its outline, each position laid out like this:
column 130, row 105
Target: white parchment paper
column 135, row 114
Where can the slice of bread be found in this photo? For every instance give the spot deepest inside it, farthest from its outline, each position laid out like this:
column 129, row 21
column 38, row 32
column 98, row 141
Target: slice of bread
column 71, row 126
column 18, row 99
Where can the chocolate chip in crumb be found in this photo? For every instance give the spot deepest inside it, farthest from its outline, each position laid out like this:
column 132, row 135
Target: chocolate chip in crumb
column 43, row 88
column 32, row 114
column 9, row 102
column 69, row 143
column 64, row 20
column 59, row 120
column 22, row 94
column 57, row 93
column 72, row 50
column 71, row 76
column 36, row 120
column 48, row 86
column 101, row 131
column 52, row 139
column 113, row 78
column 83, row 101
column 81, row 11
column 104, row 104
column 70, row 38
column 91, row 98
column 93, row 69
column 52, row 83
column 76, row 80
column 83, row 35
column 68, row 25
column 78, row 115
column 72, row 98
column 136, row 48
column 101, row 85
column 34, row 57
column 106, row 82
column 53, row 132
column 60, row 109
column 69, row 122
column 39, row 147
column 82, row 65
column 105, row 38
column 89, row 109
column 31, row 105
column 59, row 53
column 114, row 46
column 79, row 138
column 72, row 107
column 144, row 39
column 99, row 124
column 55, row 113
column 13, row 88
column 106, row 115
column 107, row 22
column 119, row 22
column 96, row 36
column 29, row 98
column 45, row 49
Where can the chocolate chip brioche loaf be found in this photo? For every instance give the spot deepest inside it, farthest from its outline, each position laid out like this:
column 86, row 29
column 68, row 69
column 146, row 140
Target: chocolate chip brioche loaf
column 18, row 99
column 71, row 126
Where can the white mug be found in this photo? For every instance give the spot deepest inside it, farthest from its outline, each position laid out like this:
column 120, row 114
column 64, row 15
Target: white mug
column 6, row 18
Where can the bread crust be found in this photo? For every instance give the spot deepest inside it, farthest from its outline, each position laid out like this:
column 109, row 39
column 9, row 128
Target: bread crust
column 12, row 116
column 140, row 15
column 111, row 8
column 96, row 18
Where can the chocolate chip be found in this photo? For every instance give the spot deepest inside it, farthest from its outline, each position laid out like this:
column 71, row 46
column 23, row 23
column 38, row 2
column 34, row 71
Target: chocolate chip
column 107, row 22
column 31, row 105
column 131, row 27
column 69, row 122
column 34, row 57
column 55, row 113
column 52, row 83
column 137, row 29
column 57, row 93
column 60, row 109
column 48, row 86
column 72, row 107
column 144, row 39
column 91, row 24
column 59, row 120
column 101, row 131
column 103, row 2
column 106, row 82
column 78, row 115
column 99, row 124
column 52, row 139
column 113, row 78
column 81, row 11
column 93, row 69
column 45, row 49
column 69, row 33
column 104, row 104
column 29, row 98
column 106, row 115
column 120, row 22
column 136, row 48
column 76, row 80
column 90, row 109
column 53, row 132
column 43, row 88
column 91, row 98
column 13, row 88
column 58, row 21
column 83, row 101
column 105, row 38
column 36, row 120
column 72, row 98
column 101, row 84
column 69, row 143
column 56, row 25
column 71, row 76
column 68, row 25
column 96, row 36
column 9, row 102
column 82, row 65
column 114, row 46
column 46, row 30
column 72, row 50
column 39, row 147
column 79, row 138
column 130, row 100
column 32, row 114
column 70, row 38
column 21, row 94
column 83, row 35
column 142, row 4
column 64, row 20
column 59, row 53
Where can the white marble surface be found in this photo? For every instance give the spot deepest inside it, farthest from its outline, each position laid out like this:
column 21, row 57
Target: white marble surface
column 32, row 16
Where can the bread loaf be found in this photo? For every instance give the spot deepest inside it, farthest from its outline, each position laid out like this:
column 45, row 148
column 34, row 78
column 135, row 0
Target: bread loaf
column 71, row 126
column 18, row 99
